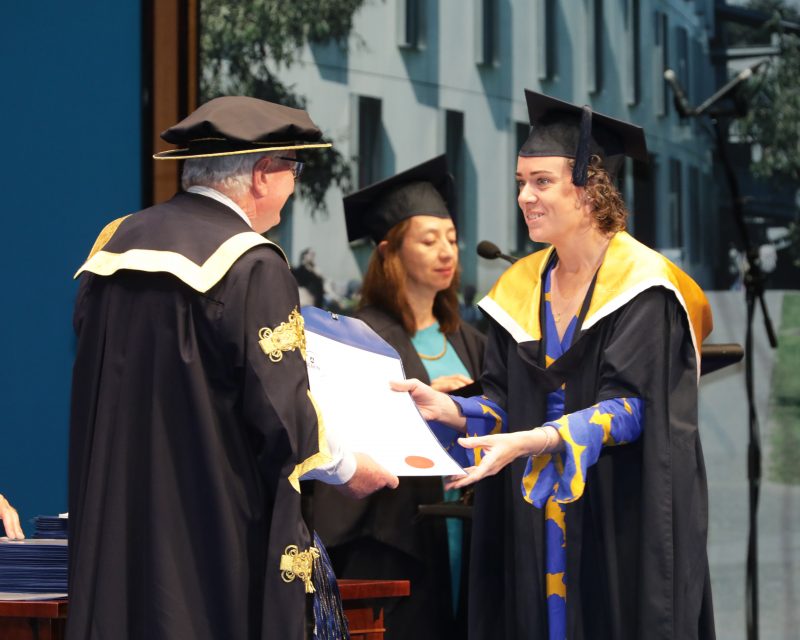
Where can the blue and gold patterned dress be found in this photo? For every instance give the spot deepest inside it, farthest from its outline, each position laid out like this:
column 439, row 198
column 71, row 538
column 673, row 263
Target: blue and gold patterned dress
column 636, row 515
column 551, row 481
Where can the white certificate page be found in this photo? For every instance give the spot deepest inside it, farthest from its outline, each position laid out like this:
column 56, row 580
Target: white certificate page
column 351, row 388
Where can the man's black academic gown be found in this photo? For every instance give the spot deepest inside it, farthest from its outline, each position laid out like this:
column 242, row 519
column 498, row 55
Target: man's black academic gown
column 383, row 535
column 636, row 540
column 191, row 424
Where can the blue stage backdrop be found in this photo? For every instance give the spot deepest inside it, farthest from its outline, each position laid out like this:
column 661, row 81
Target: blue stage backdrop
column 70, row 113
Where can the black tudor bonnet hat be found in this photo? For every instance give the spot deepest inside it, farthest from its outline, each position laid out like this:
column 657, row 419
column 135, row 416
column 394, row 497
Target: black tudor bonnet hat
column 233, row 125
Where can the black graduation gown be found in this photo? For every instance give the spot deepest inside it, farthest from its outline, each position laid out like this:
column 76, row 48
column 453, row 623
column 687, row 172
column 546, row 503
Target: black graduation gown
column 382, row 536
column 636, row 540
column 190, row 426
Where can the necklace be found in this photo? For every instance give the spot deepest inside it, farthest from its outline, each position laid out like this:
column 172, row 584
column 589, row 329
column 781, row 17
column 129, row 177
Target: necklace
column 558, row 315
column 567, row 303
column 438, row 355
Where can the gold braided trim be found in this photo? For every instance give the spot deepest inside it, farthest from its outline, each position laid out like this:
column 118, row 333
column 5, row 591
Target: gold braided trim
column 287, row 336
column 323, row 456
column 199, row 277
column 299, row 564
column 105, row 235
column 173, row 154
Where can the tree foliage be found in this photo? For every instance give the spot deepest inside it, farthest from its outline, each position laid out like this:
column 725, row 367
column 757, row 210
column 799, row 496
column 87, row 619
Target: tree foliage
column 773, row 119
column 773, row 96
column 243, row 44
column 741, row 35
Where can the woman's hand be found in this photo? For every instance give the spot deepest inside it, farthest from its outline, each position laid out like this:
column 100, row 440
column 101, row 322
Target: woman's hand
column 10, row 519
column 445, row 384
column 501, row 449
column 432, row 404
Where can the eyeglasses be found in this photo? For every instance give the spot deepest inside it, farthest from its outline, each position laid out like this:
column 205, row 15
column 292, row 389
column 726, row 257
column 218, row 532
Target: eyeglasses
column 297, row 166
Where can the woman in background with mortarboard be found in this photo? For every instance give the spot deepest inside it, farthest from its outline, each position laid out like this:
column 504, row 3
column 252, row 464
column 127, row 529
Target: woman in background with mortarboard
column 591, row 374
column 409, row 297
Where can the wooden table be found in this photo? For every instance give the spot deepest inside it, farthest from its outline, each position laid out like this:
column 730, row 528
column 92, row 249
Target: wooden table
column 46, row 619
column 33, row 620
column 363, row 607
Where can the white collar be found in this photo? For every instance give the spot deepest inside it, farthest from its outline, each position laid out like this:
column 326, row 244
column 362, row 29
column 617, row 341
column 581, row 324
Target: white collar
column 220, row 197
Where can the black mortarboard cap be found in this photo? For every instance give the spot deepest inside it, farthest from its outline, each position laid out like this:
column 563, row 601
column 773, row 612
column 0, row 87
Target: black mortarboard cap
column 566, row 130
column 233, row 125
column 426, row 189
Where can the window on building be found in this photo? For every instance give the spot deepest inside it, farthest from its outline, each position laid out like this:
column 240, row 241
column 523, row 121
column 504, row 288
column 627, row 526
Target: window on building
column 409, row 23
column 486, row 31
column 633, row 30
column 369, row 141
column 594, row 45
column 643, row 214
column 682, row 61
column 463, row 208
column 699, row 70
column 546, row 39
column 454, row 148
column 661, row 62
column 696, row 215
column 676, row 239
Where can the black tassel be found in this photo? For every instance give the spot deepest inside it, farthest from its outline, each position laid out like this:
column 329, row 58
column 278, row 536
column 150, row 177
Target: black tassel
column 580, row 174
column 330, row 622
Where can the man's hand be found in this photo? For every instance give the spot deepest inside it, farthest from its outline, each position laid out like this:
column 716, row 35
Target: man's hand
column 368, row 478
column 10, row 518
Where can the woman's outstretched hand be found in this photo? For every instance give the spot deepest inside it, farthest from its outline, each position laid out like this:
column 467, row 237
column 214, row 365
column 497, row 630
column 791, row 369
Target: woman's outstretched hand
column 432, row 404
column 499, row 450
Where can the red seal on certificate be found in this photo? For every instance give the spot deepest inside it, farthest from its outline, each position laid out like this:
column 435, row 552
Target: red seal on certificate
column 419, row 462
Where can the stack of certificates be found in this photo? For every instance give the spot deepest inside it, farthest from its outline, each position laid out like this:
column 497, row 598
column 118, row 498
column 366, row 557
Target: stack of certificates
column 37, row 565
column 50, row 527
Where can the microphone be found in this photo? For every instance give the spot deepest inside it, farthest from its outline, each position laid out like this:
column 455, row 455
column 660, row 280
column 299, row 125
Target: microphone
column 491, row 251
column 740, row 77
column 680, row 100
column 718, row 356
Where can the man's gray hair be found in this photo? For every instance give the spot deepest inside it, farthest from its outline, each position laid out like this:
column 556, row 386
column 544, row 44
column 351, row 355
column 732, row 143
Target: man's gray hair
column 233, row 175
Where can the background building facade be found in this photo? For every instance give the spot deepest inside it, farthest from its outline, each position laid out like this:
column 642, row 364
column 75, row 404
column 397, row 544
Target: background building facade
column 421, row 78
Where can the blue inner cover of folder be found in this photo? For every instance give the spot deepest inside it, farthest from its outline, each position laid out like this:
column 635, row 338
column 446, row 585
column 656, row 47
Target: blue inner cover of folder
column 350, row 331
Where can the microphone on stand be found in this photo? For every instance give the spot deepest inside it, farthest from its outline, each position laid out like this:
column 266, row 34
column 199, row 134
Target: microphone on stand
column 681, row 101
column 742, row 76
column 491, row 251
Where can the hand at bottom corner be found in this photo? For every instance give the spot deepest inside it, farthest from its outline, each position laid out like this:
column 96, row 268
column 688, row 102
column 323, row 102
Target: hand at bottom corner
column 368, row 478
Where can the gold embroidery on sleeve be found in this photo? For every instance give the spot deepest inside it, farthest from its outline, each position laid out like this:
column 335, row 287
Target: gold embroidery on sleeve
column 287, row 336
column 323, row 455
column 298, row 564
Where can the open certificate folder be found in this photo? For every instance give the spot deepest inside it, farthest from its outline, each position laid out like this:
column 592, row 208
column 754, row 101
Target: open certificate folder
column 349, row 369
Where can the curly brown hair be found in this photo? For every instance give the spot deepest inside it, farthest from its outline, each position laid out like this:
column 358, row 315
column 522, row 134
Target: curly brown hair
column 384, row 286
column 608, row 208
